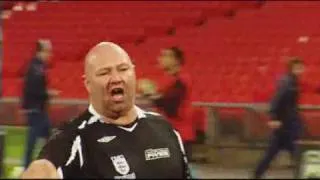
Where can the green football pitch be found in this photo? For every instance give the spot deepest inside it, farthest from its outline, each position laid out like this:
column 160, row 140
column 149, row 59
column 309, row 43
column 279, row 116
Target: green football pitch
column 14, row 146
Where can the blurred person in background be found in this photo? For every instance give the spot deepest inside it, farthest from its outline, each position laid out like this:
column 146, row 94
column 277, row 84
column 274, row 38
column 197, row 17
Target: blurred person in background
column 286, row 122
column 173, row 98
column 35, row 98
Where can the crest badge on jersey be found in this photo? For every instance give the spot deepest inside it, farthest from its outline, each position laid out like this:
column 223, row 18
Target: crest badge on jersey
column 120, row 164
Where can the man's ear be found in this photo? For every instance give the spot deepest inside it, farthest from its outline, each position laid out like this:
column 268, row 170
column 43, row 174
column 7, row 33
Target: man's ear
column 86, row 82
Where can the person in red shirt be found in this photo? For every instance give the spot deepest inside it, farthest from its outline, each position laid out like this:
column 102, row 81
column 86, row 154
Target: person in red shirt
column 173, row 95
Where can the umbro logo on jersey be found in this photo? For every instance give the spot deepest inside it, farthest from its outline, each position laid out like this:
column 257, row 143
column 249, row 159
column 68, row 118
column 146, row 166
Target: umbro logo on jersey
column 153, row 154
column 106, row 139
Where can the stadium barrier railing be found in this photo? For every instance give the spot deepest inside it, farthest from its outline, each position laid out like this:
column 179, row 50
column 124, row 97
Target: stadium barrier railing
column 229, row 125
column 254, row 118
column 247, row 122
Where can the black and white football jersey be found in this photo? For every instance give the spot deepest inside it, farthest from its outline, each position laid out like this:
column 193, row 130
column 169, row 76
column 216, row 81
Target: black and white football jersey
column 87, row 147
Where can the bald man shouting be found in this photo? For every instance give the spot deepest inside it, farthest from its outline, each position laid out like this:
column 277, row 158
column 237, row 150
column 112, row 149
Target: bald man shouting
column 113, row 138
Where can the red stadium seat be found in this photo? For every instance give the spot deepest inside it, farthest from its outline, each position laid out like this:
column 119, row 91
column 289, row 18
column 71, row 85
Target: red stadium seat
column 221, row 51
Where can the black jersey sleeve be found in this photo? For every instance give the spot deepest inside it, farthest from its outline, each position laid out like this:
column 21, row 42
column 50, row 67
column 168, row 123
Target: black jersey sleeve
column 64, row 150
column 185, row 163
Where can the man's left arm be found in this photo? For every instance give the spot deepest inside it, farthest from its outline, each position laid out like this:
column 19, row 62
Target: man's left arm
column 185, row 163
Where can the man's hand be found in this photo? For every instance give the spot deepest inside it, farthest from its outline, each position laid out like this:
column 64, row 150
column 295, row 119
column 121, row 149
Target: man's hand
column 274, row 124
column 41, row 169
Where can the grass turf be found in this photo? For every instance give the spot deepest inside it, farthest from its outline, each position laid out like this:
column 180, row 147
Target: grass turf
column 14, row 147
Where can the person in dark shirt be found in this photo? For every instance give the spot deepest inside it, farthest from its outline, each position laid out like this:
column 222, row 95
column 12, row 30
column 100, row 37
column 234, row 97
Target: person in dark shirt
column 286, row 121
column 35, row 98
column 113, row 138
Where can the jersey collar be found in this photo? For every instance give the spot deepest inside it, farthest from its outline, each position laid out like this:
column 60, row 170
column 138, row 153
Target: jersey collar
column 140, row 113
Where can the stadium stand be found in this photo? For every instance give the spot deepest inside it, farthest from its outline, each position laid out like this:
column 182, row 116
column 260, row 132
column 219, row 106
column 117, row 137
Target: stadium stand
column 237, row 44
column 227, row 40
column 78, row 25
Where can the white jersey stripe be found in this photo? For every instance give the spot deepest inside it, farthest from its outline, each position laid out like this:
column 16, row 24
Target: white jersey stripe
column 60, row 173
column 82, row 125
column 185, row 159
column 180, row 142
column 76, row 148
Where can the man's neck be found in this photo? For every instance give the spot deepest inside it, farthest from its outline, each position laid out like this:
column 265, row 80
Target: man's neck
column 174, row 70
column 122, row 119
column 126, row 119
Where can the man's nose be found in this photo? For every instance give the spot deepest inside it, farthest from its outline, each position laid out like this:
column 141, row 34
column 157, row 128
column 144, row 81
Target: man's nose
column 115, row 78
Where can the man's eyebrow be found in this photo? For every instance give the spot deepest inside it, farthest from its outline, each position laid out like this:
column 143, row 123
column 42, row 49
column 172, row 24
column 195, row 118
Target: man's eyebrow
column 124, row 64
column 103, row 68
column 109, row 67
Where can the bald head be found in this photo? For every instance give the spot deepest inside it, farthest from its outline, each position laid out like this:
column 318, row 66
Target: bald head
column 105, row 51
column 110, row 79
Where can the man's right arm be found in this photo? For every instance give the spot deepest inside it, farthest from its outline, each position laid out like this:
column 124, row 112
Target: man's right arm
column 60, row 157
column 42, row 169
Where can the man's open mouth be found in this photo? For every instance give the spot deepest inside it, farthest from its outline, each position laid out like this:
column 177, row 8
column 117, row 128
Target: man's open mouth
column 117, row 94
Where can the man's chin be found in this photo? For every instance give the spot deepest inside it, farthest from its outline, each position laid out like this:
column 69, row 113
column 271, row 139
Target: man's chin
column 119, row 107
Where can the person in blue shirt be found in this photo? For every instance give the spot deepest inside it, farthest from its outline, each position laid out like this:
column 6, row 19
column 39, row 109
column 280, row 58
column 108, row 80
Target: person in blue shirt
column 286, row 122
column 35, row 97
